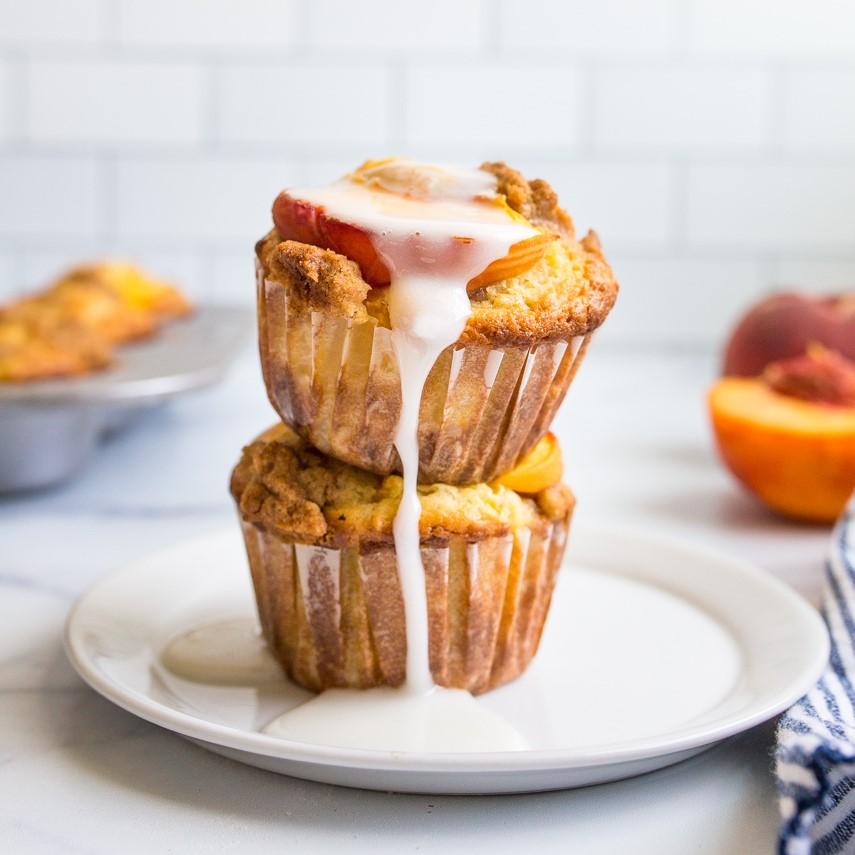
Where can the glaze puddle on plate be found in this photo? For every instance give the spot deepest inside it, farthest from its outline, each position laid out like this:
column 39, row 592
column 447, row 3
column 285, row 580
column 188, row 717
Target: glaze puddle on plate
column 653, row 651
column 619, row 695
column 228, row 652
column 232, row 653
column 442, row 720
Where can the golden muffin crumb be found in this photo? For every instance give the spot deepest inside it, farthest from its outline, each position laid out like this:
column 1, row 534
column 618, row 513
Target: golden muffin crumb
column 535, row 200
column 567, row 293
column 289, row 488
column 318, row 278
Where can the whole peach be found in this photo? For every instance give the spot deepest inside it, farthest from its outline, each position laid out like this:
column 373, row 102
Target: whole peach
column 783, row 325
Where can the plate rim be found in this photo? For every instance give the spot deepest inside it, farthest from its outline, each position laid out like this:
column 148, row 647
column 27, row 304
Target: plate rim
column 543, row 759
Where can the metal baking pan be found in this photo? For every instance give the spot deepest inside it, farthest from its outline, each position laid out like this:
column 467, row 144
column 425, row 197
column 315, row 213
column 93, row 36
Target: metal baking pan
column 48, row 429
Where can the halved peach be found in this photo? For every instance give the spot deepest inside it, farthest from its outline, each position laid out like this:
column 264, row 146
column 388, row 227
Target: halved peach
column 542, row 467
column 796, row 456
column 297, row 219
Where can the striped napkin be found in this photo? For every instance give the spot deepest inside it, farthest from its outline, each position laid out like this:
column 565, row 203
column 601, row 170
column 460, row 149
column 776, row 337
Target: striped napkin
column 815, row 755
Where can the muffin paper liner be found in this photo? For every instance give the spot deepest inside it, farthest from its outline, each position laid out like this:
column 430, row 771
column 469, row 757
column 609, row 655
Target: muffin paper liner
column 335, row 617
column 336, row 382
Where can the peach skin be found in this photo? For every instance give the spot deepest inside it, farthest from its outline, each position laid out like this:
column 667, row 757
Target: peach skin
column 783, row 325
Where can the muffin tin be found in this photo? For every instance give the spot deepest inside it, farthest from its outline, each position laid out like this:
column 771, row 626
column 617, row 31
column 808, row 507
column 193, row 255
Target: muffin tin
column 48, row 429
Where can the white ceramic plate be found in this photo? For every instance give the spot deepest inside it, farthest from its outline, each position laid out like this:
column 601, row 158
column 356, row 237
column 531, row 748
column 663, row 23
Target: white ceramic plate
column 653, row 651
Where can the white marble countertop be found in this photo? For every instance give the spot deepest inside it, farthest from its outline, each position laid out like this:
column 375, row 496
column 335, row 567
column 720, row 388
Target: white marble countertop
column 80, row 775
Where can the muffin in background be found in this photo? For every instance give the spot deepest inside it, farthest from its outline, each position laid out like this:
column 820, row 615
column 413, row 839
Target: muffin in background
column 331, row 371
column 318, row 535
column 71, row 327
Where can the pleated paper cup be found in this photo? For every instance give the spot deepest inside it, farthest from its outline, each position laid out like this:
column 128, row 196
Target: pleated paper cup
column 335, row 617
column 336, row 382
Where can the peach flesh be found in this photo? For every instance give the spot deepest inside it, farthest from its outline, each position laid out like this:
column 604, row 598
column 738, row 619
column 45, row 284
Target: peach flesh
column 796, row 456
column 542, row 467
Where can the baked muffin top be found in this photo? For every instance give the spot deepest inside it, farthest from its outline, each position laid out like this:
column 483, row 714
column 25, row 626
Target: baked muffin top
column 568, row 292
column 289, row 488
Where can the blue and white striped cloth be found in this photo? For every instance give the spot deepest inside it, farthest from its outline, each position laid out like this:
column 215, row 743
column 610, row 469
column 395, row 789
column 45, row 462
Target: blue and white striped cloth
column 815, row 755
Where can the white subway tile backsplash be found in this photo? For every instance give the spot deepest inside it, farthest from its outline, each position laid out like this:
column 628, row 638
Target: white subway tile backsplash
column 309, row 104
column 817, row 275
column 499, row 105
column 784, row 206
column 207, row 23
column 682, row 107
column 116, row 102
column 820, row 108
column 49, row 197
column 389, row 26
column 711, row 143
column 9, row 286
column 627, row 204
column 7, row 129
column 771, row 26
column 316, row 171
column 231, row 277
column 681, row 300
column 38, row 22
column 205, row 199
column 582, row 27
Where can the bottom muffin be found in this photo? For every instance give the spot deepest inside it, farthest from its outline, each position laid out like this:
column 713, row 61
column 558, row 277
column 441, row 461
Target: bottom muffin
column 318, row 535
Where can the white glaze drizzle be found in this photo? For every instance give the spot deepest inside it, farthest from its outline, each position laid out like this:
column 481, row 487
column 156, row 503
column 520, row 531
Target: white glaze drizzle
column 391, row 720
column 428, row 308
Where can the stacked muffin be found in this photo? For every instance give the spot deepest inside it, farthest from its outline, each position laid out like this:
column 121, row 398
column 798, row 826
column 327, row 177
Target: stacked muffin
column 318, row 494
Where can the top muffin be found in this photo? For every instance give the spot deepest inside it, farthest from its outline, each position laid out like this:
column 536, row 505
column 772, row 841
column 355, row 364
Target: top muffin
column 326, row 296
column 567, row 293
